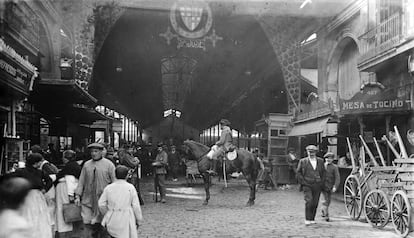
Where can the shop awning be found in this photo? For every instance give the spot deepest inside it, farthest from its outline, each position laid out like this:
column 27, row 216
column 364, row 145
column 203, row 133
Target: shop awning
column 309, row 127
column 60, row 92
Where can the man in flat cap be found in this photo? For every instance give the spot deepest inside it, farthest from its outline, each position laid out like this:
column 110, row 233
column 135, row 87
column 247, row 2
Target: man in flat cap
column 223, row 145
column 311, row 176
column 96, row 174
column 160, row 164
column 331, row 183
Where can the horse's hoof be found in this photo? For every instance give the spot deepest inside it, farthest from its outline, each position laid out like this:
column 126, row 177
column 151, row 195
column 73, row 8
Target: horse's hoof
column 250, row 203
column 205, row 203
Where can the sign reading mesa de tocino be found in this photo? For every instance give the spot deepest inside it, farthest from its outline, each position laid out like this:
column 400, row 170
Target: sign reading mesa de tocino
column 391, row 99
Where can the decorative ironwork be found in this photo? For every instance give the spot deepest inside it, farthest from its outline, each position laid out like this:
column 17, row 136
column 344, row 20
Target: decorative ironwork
column 177, row 75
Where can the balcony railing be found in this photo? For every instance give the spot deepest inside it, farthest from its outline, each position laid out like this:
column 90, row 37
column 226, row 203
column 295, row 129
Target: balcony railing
column 381, row 38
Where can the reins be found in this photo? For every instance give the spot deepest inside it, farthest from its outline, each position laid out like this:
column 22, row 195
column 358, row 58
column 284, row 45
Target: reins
column 198, row 158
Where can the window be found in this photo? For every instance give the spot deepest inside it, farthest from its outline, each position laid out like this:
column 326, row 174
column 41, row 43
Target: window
column 387, row 8
column 274, row 133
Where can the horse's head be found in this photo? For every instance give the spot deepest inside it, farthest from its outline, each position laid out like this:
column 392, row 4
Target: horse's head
column 195, row 148
column 185, row 148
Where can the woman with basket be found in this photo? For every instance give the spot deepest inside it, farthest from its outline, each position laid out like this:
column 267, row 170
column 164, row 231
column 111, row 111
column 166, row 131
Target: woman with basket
column 66, row 182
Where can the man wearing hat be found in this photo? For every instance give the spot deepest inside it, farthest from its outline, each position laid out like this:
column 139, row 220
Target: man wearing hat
column 161, row 161
column 174, row 162
column 222, row 145
column 96, row 174
column 311, row 176
column 331, row 183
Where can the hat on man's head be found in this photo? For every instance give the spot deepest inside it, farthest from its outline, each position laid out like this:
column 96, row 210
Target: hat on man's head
column 225, row 122
column 311, row 148
column 329, row 154
column 96, row 146
column 69, row 154
column 160, row 144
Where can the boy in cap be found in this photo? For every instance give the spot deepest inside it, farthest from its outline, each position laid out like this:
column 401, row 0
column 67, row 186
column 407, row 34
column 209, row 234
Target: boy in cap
column 331, row 183
column 96, row 174
column 120, row 205
column 311, row 177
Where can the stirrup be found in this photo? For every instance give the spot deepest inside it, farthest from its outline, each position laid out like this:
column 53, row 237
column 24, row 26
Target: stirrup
column 210, row 171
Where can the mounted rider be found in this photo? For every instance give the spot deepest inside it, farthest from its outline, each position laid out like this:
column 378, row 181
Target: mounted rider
column 222, row 146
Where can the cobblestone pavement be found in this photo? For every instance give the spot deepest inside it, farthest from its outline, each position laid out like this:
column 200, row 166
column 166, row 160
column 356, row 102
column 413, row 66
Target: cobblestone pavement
column 277, row 213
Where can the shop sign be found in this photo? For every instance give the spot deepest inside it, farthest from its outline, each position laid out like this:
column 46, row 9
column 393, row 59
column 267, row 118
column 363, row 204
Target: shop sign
column 9, row 51
column 17, row 73
column 395, row 99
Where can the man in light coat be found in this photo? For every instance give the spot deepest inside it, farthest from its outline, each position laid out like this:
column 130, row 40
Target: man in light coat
column 96, row 174
column 222, row 146
column 120, row 205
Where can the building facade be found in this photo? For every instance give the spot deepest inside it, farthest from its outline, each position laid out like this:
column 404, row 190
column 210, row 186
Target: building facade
column 364, row 69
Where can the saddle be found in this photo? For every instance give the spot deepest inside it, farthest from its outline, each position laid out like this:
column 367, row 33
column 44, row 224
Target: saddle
column 231, row 154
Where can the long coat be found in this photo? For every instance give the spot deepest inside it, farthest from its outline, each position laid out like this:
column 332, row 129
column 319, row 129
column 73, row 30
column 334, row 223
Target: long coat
column 162, row 158
column 226, row 138
column 119, row 202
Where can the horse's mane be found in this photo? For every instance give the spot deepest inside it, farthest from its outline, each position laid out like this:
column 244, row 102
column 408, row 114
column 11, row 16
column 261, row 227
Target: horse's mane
column 197, row 147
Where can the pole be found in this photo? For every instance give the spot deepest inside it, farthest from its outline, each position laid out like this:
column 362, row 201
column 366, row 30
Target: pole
column 351, row 154
column 379, row 152
column 224, row 173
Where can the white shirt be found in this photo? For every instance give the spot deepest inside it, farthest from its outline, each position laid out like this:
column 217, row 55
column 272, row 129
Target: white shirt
column 313, row 162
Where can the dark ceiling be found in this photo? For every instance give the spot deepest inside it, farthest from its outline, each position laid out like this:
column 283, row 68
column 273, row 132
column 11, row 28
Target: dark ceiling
column 239, row 79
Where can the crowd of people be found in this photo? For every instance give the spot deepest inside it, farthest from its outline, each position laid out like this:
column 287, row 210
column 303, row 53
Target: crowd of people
column 96, row 188
column 106, row 193
column 103, row 184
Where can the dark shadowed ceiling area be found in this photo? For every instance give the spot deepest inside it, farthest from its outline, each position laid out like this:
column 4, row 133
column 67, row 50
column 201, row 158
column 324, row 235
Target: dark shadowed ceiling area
column 239, row 79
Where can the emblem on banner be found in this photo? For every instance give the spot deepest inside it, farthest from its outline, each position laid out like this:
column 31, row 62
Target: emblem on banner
column 191, row 16
column 191, row 23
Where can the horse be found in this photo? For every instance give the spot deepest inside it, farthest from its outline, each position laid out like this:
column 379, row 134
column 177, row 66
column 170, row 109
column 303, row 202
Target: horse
column 245, row 162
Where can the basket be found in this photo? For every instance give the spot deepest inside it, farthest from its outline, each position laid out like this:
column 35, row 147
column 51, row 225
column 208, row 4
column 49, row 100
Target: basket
column 71, row 212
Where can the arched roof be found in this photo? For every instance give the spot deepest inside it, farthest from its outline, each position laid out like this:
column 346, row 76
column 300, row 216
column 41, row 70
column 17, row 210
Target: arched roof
column 239, row 78
column 242, row 65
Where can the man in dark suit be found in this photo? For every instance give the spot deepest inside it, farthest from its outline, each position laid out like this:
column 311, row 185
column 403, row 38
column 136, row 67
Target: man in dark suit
column 311, row 176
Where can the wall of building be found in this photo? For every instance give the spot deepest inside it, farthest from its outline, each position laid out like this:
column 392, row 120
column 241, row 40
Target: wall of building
column 333, row 40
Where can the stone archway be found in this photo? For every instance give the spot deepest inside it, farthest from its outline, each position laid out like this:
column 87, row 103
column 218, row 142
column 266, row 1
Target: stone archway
column 336, row 57
column 89, row 38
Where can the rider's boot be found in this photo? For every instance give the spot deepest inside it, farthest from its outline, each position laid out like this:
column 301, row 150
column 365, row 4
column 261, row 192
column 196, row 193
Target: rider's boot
column 213, row 167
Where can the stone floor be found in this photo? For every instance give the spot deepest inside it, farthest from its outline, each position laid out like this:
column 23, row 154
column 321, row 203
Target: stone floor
column 277, row 213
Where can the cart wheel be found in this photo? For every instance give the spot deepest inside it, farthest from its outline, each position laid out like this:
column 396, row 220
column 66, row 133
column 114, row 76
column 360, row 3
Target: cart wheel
column 377, row 208
column 353, row 197
column 401, row 213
